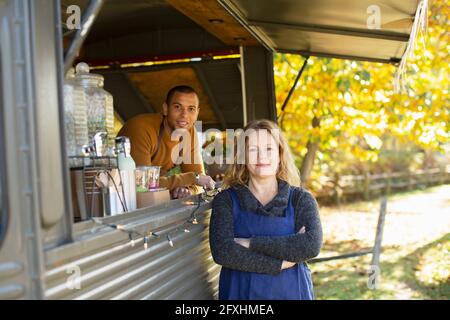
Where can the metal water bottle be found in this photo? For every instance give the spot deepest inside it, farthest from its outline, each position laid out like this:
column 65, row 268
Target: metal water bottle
column 127, row 168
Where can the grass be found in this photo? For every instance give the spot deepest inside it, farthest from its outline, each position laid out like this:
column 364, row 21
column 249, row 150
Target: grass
column 415, row 262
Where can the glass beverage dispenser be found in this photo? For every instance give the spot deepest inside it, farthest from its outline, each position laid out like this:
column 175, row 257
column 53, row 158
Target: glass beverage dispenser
column 100, row 109
column 75, row 120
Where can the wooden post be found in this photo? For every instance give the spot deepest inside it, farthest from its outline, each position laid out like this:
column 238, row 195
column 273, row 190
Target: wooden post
column 423, row 179
column 379, row 234
column 388, row 183
column 442, row 175
column 410, row 182
column 366, row 185
column 447, row 173
column 337, row 191
column 374, row 270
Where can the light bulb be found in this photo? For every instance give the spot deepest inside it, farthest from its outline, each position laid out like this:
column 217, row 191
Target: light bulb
column 170, row 241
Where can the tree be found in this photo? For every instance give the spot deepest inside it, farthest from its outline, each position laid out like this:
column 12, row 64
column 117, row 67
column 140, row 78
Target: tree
column 342, row 110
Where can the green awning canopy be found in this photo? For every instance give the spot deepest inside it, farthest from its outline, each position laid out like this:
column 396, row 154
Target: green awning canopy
column 353, row 29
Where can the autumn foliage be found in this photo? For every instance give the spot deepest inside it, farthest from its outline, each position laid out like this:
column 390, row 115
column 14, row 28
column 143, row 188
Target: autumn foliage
column 349, row 111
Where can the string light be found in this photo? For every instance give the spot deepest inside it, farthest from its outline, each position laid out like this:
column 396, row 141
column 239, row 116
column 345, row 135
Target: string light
column 131, row 239
column 192, row 220
column 170, row 240
column 145, row 243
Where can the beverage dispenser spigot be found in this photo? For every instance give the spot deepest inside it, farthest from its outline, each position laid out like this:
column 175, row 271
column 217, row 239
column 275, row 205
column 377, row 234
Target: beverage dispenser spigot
column 88, row 150
column 99, row 144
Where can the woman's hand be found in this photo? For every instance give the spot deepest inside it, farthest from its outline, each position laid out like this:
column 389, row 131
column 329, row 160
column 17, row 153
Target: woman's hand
column 287, row 264
column 243, row 242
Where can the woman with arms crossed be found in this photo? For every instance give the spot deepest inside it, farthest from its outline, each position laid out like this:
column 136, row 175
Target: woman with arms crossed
column 264, row 226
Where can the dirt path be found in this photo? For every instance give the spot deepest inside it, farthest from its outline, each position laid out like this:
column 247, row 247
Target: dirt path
column 415, row 258
column 417, row 218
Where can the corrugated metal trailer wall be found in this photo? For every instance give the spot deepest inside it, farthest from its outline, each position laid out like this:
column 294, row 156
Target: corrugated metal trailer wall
column 109, row 266
column 97, row 261
column 45, row 255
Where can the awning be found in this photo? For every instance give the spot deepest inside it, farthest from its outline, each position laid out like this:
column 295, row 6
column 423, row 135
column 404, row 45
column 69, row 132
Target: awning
column 350, row 29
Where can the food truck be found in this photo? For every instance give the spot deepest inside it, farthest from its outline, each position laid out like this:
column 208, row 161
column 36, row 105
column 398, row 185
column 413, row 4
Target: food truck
column 53, row 248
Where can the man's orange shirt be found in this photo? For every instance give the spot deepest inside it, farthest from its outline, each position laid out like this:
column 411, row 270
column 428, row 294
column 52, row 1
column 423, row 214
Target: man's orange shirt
column 143, row 131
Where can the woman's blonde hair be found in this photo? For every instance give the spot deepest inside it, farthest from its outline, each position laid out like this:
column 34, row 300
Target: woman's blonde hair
column 237, row 173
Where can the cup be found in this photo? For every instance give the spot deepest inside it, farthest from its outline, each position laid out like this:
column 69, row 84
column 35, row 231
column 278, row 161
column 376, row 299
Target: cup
column 147, row 178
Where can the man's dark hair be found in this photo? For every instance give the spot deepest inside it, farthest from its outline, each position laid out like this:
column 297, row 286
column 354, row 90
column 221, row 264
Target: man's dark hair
column 182, row 89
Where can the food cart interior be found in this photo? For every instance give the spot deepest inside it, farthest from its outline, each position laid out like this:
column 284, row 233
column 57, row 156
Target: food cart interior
column 223, row 49
column 144, row 48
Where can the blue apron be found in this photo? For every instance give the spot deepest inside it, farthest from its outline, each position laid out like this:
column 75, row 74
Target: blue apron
column 291, row 284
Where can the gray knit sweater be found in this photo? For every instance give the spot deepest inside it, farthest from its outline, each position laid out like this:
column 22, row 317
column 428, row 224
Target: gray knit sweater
column 265, row 254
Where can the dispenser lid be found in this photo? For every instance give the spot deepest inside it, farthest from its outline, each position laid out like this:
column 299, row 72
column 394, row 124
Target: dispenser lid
column 82, row 73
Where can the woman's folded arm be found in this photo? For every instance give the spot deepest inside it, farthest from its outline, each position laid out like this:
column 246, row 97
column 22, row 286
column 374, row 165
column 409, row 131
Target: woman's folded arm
column 298, row 247
column 225, row 251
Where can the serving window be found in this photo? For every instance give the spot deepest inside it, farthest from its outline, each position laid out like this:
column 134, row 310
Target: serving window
column 123, row 70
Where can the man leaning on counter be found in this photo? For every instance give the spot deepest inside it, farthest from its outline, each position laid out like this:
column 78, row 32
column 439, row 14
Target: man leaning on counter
column 151, row 142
